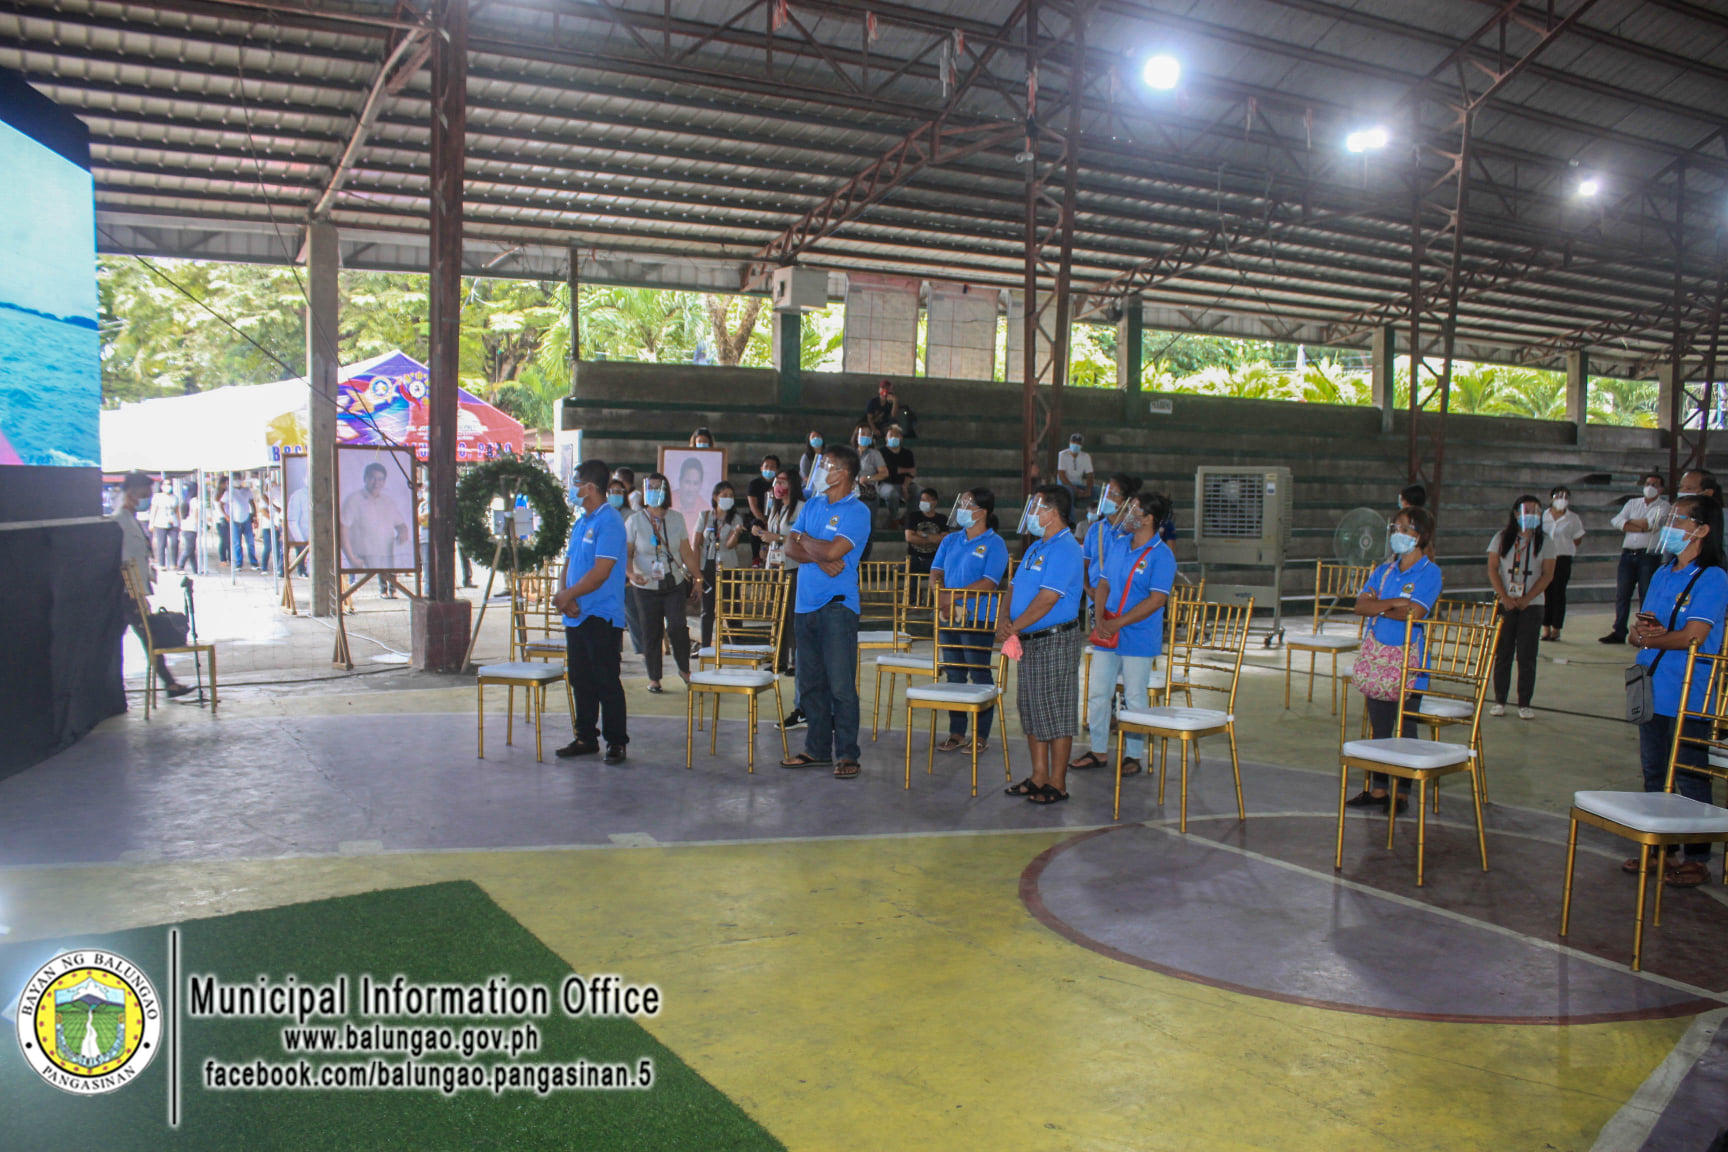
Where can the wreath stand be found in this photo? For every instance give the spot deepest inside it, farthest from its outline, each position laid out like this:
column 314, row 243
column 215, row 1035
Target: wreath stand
column 506, row 490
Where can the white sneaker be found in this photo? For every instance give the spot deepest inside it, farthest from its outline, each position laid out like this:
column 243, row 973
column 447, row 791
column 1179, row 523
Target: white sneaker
column 1526, row 713
column 1497, row 710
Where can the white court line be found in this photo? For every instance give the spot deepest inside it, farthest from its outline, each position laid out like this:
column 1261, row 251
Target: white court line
column 1459, row 917
column 1637, row 1118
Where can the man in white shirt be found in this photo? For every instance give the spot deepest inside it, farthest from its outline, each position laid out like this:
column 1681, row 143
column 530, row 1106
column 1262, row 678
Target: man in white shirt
column 165, row 525
column 240, row 524
column 1639, row 518
column 135, row 550
column 1074, row 464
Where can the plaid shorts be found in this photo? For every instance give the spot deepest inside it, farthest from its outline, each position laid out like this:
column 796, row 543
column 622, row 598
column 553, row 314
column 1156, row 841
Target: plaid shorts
column 1049, row 683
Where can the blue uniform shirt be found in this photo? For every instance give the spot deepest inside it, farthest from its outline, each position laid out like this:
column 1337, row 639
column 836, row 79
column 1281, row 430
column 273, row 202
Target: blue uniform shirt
column 1420, row 584
column 598, row 535
column 962, row 561
column 1052, row 563
column 1154, row 570
column 820, row 520
column 1100, row 538
column 1708, row 600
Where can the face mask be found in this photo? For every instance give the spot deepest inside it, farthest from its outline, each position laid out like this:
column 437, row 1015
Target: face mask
column 656, row 497
column 1401, row 543
column 925, row 507
column 1131, row 525
column 725, row 503
column 864, row 441
column 1106, row 506
column 893, row 441
column 816, row 443
column 1651, row 491
column 1672, row 541
column 768, row 474
column 1529, row 521
column 616, row 499
column 1560, row 503
column 781, row 491
column 819, row 478
column 963, row 517
column 1074, row 445
column 1029, row 524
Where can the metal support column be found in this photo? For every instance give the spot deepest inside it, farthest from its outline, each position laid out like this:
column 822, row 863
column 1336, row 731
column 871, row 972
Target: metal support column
column 322, row 319
column 1674, row 410
column 788, row 334
column 1383, row 354
column 1578, row 394
column 573, row 278
column 1131, row 346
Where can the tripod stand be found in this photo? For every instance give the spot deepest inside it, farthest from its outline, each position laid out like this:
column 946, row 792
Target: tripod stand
column 192, row 635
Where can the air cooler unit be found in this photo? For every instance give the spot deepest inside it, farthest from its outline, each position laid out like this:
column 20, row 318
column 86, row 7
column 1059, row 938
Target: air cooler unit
column 1242, row 519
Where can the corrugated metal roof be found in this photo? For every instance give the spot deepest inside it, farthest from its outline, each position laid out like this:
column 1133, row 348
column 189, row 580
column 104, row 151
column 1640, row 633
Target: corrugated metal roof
column 698, row 131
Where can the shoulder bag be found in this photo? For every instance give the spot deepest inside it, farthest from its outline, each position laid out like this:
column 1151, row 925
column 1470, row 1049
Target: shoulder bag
column 1379, row 668
column 1111, row 640
column 1641, row 681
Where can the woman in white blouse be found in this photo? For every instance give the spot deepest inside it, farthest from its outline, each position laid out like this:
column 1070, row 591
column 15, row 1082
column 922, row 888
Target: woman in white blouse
column 1564, row 530
column 664, row 575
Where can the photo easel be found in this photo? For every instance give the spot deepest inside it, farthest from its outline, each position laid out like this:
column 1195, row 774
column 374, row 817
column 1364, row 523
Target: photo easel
column 342, row 657
column 507, row 492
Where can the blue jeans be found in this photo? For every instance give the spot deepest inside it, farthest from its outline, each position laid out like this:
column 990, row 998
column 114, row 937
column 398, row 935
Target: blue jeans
column 827, row 680
column 1136, row 672
column 243, row 531
column 1654, row 741
column 977, row 669
column 268, row 544
column 1636, row 569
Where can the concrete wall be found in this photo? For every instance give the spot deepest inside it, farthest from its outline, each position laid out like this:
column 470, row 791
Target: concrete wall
column 969, row 433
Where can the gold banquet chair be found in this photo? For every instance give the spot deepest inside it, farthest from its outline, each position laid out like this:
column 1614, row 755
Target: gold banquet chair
column 532, row 676
column 1654, row 820
column 882, row 609
column 1333, row 583
column 744, row 634
column 1456, row 659
column 138, row 589
column 972, row 628
column 920, row 602
column 537, row 629
column 754, row 598
column 1208, row 638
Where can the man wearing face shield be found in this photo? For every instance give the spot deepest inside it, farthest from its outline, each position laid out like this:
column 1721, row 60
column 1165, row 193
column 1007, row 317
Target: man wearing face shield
column 1638, row 518
column 1687, row 605
column 1044, row 612
column 827, row 541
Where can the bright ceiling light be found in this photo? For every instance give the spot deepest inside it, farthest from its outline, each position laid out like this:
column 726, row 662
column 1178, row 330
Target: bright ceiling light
column 1162, row 72
column 1589, row 186
column 1367, row 140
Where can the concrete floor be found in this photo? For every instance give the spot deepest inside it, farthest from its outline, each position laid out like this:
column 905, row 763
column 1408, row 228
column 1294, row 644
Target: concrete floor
column 954, row 972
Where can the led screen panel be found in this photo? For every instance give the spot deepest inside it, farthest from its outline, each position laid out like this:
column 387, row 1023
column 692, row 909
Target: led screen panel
column 50, row 365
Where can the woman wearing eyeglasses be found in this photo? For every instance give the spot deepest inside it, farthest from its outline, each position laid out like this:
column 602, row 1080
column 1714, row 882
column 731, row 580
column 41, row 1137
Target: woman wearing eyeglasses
column 1687, row 603
column 1519, row 574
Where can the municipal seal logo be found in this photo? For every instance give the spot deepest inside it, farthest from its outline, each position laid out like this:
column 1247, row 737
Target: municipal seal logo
column 89, row 1022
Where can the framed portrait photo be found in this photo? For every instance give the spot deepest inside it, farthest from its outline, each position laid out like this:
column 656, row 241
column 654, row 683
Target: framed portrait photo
column 376, row 509
column 692, row 474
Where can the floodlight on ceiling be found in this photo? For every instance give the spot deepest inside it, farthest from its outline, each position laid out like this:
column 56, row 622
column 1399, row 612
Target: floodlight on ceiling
column 1367, row 140
column 1162, row 72
column 1589, row 186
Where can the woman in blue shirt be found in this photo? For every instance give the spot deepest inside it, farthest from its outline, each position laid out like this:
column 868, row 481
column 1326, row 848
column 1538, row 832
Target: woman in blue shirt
column 1396, row 597
column 974, row 559
column 1687, row 604
column 1044, row 611
column 1134, row 581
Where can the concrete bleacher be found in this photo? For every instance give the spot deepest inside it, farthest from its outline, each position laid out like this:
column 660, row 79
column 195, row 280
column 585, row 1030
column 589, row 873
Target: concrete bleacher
column 969, row 433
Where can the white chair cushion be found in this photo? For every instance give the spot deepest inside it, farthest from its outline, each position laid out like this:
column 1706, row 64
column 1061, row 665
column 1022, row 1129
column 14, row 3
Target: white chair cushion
column 1323, row 641
column 906, row 661
column 884, row 638
column 740, row 650
column 1442, row 706
column 954, row 693
column 1176, row 719
column 735, row 678
column 536, row 670
column 1718, row 758
column 1407, row 753
column 1654, row 811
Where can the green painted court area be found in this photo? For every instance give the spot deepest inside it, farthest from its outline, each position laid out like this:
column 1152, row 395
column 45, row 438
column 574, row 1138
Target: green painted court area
column 441, row 933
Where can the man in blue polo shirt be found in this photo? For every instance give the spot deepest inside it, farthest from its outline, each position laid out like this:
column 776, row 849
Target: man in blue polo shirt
column 827, row 541
column 593, row 605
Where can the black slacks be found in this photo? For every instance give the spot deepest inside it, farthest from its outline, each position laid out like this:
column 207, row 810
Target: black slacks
column 593, row 651
column 1520, row 633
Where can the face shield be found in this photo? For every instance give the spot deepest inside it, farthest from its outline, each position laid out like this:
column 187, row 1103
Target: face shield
column 1029, row 523
column 1673, row 534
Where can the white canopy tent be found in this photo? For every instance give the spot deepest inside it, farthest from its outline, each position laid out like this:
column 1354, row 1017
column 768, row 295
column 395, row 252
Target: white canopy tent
column 222, row 430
